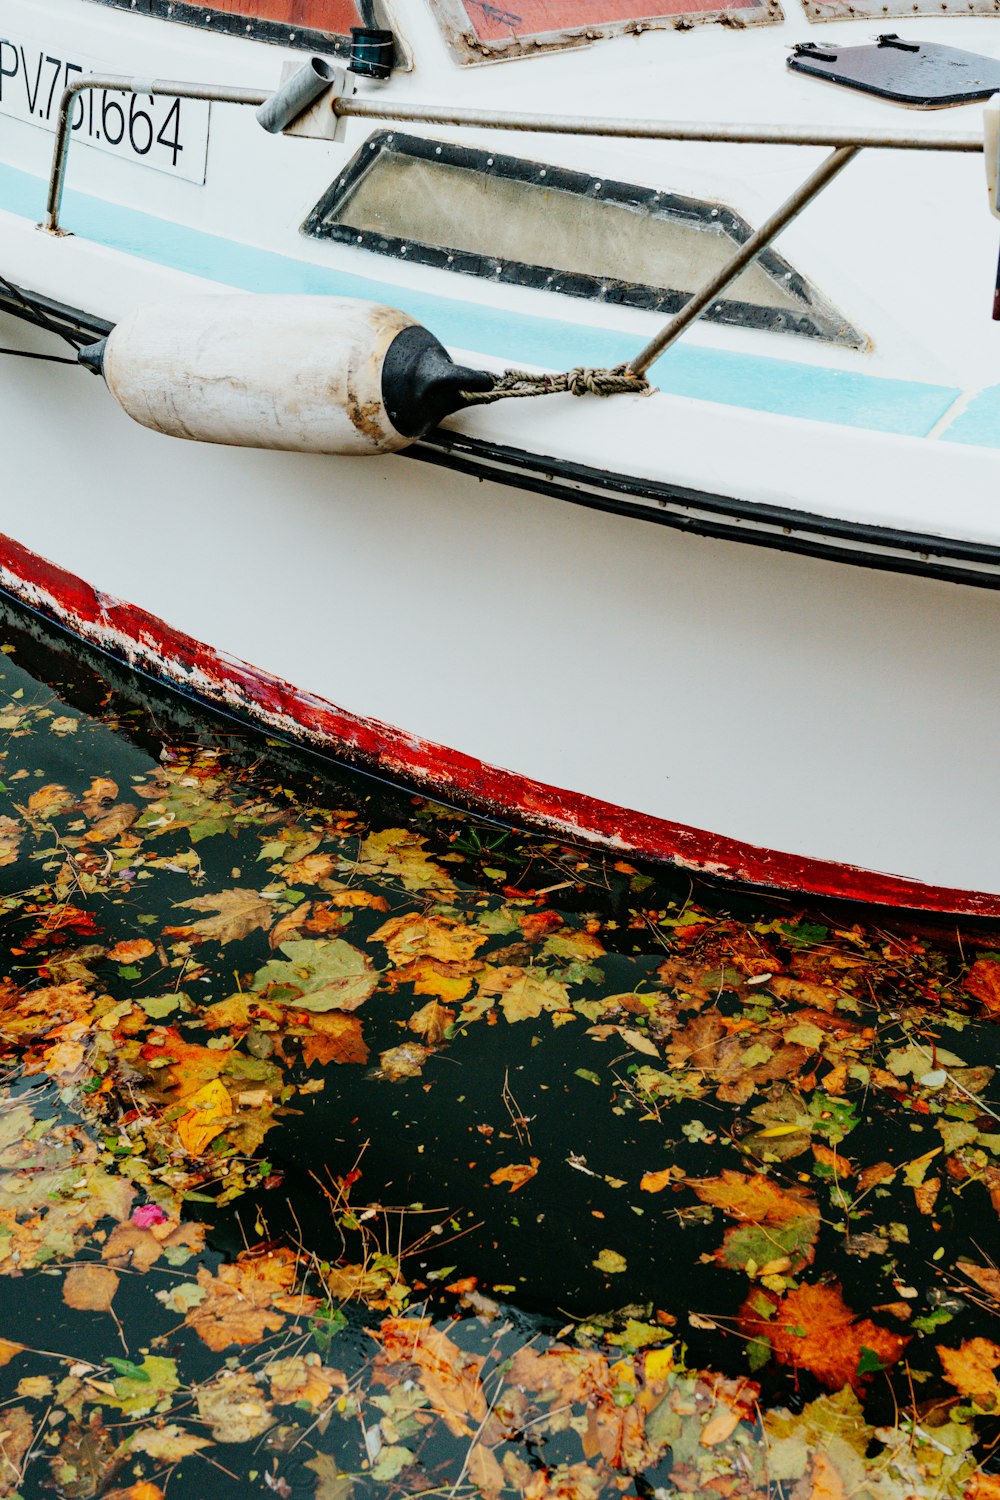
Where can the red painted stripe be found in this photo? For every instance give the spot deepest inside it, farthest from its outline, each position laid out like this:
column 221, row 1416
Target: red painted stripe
column 144, row 640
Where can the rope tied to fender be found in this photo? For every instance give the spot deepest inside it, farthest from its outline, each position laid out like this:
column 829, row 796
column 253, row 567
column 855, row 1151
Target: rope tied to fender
column 579, row 382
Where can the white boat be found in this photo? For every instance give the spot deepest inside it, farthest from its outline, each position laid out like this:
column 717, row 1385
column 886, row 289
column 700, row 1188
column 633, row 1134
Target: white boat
column 748, row 622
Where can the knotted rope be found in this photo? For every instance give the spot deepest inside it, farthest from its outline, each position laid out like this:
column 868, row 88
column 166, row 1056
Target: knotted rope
column 579, row 382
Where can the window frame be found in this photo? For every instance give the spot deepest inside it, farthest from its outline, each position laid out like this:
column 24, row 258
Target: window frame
column 818, row 318
column 278, row 33
column 470, row 49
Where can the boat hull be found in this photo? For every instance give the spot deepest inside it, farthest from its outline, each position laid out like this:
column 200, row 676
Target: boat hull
column 774, row 718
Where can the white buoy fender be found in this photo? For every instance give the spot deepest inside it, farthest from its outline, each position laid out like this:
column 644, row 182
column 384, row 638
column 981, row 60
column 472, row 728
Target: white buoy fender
column 304, row 374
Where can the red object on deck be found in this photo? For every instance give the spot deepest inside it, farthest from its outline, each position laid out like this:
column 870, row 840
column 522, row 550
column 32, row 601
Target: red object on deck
column 526, row 18
column 149, row 644
column 335, row 16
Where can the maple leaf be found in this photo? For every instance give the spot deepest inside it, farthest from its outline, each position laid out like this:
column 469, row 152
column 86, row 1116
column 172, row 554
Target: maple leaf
column 400, row 853
column 239, row 912
column 90, row 1288
column 523, row 993
column 334, row 1037
column 435, row 976
column 812, row 1328
column 417, row 936
column 246, row 1300
column 774, row 1222
column 517, row 1176
column 449, row 1375
column 971, row 1369
column 208, row 1112
column 319, row 975
column 331, row 1484
column 983, row 982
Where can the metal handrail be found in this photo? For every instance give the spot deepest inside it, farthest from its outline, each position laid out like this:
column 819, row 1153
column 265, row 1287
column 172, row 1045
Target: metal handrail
column 845, row 146
column 218, row 93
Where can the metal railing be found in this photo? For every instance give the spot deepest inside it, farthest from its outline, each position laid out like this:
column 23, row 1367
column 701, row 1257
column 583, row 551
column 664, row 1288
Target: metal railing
column 844, row 145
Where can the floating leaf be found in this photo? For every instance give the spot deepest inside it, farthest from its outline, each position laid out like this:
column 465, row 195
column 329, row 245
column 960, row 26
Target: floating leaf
column 319, row 976
column 517, row 1176
column 90, row 1288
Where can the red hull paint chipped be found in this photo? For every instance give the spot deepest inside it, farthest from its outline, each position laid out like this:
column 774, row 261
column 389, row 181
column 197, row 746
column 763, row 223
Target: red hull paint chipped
column 149, row 643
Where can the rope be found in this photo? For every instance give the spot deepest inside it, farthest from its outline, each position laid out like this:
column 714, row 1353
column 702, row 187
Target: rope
column 52, row 359
column 579, row 382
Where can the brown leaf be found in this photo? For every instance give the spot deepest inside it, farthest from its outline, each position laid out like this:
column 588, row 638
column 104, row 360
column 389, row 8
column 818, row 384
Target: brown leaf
column 517, row 1176
column 416, row 936
column 238, row 913
column 50, row 801
column 112, row 824
column 246, row 1300
column 431, row 1022
column 17, row 1433
column 450, row 1376
column 90, row 1288
column 334, row 1037
column 971, row 1369
column 101, row 791
column 405, row 1061
column 987, row 1278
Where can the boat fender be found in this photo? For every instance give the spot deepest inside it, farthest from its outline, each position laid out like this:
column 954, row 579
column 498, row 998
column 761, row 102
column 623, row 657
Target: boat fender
column 303, row 374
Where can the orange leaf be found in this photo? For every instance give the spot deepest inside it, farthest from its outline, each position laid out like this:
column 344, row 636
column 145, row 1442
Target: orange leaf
column 812, row 1328
column 655, row 1182
column 448, row 1375
column 208, row 1113
column 131, row 950
column 517, row 1176
column 982, row 981
column 8, row 1349
column 431, row 1022
column 971, row 1369
column 49, row 801
column 756, row 1199
column 90, row 1288
column 336, row 1037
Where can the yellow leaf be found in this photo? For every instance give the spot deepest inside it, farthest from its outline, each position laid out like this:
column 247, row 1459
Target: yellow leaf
column 208, row 1112
column 659, row 1363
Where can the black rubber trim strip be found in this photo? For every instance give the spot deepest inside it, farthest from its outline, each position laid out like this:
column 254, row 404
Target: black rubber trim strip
column 70, row 319
column 559, row 478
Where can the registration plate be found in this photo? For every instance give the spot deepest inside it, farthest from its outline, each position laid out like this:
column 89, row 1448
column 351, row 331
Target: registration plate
column 169, row 134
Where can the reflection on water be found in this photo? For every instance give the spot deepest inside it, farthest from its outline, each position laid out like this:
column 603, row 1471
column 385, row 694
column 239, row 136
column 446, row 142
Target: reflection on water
column 352, row 1146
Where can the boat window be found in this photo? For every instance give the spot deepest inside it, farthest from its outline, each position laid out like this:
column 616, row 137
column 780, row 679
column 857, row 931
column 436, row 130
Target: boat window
column 483, row 31
column 887, row 10
column 321, row 25
column 531, row 224
column 923, row 75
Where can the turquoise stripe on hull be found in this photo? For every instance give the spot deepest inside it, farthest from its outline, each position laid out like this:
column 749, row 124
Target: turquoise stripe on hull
column 781, row 387
column 979, row 424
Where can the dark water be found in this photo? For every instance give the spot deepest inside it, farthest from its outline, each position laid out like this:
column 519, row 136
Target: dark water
column 350, row 1144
